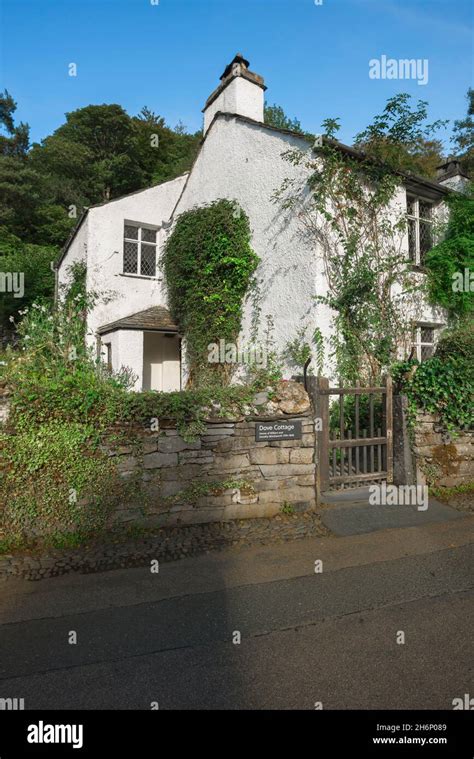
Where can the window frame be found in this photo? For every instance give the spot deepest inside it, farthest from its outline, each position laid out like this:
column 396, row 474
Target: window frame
column 418, row 344
column 417, row 259
column 140, row 226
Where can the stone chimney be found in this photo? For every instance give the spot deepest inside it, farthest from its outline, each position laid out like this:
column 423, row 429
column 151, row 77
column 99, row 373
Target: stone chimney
column 240, row 91
column 451, row 175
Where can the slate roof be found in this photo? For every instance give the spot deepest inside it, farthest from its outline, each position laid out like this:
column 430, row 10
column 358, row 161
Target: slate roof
column 157, row 318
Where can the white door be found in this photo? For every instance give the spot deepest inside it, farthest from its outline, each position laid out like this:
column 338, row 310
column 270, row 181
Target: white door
column 161, row 362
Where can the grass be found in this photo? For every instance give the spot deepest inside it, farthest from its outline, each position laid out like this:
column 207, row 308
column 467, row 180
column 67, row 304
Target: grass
column 445, row 494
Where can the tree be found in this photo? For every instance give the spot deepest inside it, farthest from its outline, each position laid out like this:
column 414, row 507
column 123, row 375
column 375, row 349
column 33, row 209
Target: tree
column 400, row 137
column 274, row 115
column 94, row 152
column 17, row 139
column 463, row 136
column 33, row 264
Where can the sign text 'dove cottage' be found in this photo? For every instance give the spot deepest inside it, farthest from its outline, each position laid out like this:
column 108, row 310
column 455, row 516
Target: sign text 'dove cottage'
column 279, row 430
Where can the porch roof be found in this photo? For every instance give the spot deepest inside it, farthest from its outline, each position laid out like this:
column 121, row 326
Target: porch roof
column 156, row 318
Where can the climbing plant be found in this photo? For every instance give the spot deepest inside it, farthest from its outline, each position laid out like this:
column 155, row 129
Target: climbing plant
column 450, row 264
column 208, row 264
column 443, row 384
column 351, row 217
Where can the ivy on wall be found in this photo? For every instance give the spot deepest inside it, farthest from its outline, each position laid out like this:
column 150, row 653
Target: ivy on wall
column 209, row 264
column 443, row 385
column 450, row 264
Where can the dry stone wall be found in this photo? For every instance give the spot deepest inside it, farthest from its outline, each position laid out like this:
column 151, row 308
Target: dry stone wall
column 225, row 474
column 442, row 460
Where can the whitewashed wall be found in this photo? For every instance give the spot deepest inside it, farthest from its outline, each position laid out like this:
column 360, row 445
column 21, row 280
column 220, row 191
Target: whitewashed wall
column 100, row 238
column 240, row 96
column 77, row 251
column 105, row 252
column 242, row 162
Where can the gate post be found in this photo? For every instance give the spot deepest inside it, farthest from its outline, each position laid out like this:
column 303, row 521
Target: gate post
column 389, row 427
column 321, row 407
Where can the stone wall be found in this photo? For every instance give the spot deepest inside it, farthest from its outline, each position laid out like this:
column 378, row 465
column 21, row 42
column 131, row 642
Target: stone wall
column 224, row 475
column 440, row 459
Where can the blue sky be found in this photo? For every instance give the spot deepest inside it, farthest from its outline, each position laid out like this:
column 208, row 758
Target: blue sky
column 314, row 58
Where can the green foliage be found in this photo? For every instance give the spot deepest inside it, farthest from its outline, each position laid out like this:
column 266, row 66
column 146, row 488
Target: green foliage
column 452, row 257
column 400, row 138
column 350, row 219
column 447, row 494
column 350, row 216
column 33, row 261
column 298, row 351
column 445, row 388
column 458, row 342
column 55, row 479
column 17, row 138
column 209, row 265
column 275, row 116
column 463, row 136
column 99, row 153
column 197, row 490
column 442, row 385
column 349, row 404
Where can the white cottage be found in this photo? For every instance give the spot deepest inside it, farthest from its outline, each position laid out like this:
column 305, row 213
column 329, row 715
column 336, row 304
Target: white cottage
column 240, row 159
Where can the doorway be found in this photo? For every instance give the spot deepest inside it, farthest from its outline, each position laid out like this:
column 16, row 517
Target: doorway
column 161, row 362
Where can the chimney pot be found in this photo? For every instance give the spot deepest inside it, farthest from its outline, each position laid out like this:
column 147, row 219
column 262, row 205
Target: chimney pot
column 240, row 92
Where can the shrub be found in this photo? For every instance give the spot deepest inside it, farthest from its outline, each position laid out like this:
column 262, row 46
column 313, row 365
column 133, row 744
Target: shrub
column 440, row 386
column 55, row 480
column 209, row 265
column 458, row 342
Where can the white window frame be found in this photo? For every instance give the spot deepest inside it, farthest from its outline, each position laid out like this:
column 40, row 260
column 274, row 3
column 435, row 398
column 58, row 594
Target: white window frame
column 418, row 344
column 416, row 199
column 139, row 225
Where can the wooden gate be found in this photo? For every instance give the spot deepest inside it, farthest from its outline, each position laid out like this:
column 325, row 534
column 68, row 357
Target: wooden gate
column 354, row 434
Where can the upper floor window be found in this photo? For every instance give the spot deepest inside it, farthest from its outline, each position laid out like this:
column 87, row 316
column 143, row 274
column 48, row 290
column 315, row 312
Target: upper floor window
column 139, row 249
column 420, row 228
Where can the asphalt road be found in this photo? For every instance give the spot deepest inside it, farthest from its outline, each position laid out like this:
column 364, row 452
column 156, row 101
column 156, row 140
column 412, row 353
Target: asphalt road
column 305, row 637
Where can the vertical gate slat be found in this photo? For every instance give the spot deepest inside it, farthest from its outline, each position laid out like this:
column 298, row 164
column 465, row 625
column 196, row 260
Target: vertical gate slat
column 371, row 431
column 389, row 414
column 323, row 435
column 341, row 430
column 349, row 455
column 357, row 401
